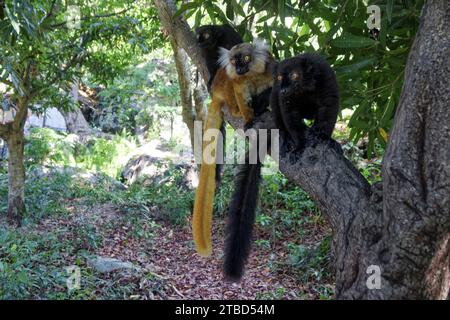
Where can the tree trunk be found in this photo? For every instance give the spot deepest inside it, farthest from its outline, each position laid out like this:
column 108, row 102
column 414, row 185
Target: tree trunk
column 184, row 81
column 16, row 173
column 416, row 176
column 75, row 121
column 177, row 28
column 391, row 240
column 200, row 97
column 14, row 137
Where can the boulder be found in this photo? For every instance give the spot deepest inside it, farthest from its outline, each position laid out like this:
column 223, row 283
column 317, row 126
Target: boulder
column 106, row 265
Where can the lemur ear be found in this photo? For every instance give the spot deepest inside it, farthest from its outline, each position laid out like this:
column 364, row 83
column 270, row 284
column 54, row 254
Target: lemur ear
column 224, row 57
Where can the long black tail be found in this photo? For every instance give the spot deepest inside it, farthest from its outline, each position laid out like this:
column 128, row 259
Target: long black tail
column 241, row 218
column 221, row 154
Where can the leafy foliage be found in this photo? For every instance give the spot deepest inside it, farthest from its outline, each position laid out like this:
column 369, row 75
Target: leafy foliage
column 47, row 147
column 141, row 96
column 42, row 55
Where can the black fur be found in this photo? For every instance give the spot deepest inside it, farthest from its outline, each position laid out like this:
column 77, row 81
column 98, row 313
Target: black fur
column 242, row 211
column 218, row 36
column 312, row 95
column 241, row 218
column 261, row 102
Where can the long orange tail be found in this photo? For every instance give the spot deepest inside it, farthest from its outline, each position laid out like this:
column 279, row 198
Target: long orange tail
column 204, row 197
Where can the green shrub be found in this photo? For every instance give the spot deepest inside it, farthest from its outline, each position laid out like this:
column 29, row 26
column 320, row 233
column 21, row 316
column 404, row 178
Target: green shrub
column 45, row 145
column 48, row 147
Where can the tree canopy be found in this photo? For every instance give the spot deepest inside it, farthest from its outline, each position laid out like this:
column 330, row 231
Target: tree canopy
column 42, row 51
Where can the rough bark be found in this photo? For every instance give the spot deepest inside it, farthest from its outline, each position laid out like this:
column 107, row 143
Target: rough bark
column 16, row 168
column 184, row 81
column 416, row 176
column 16, row 173
column 177, row 28
column 200, row 97
column 401, row 225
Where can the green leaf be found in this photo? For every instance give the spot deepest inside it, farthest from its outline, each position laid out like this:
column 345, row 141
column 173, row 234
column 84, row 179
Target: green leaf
column 22, row 277
column 238, row 8
column 198, row 17
column 230, row 12
column 390, row 5
column 388, row 112
column 355, row 66
column 15, row 24
column 351, row 41
column 282, row 10
column 185, row 7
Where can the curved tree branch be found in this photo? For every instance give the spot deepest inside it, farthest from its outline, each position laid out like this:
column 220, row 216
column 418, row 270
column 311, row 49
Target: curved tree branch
column 181, row 33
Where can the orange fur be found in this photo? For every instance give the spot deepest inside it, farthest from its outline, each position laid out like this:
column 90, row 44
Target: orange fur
column 234, row 92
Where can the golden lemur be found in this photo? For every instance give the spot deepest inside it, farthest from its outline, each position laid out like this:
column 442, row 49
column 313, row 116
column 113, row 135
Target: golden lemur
column 304, row 87
column 245, row 72
column 210, row 39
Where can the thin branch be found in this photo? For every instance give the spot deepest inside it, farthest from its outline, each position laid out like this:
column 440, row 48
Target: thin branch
column 54, row 26
column 50, row 12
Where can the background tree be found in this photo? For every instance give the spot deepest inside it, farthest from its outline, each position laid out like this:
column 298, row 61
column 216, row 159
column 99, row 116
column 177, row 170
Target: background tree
column 42, row 55
column 401, row 225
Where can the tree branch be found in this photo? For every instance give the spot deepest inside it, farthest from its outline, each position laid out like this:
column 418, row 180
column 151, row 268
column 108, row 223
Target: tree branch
column 182, row 34
column 54, row 26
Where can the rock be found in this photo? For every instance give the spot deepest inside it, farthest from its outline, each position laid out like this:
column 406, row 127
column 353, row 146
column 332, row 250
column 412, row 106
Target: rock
column 156, row 170
column 105, row 265
column 139, row 166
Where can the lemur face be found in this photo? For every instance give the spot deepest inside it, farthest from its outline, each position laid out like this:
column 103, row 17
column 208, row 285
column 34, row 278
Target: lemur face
column 288, row 81
column 293, row 77
column 207, row 37
column 245, row 59
column 241, row 61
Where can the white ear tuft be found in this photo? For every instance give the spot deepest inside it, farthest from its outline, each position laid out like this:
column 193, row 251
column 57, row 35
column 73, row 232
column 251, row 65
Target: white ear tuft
column 261, row 53
column 260, row 45
column 224, row 57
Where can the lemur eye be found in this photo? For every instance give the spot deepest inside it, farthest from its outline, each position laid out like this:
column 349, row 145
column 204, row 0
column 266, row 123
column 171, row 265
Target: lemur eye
column 206, row 35
column 233, row 61
column 247, row 58
column 280, row 77
column 294, row 76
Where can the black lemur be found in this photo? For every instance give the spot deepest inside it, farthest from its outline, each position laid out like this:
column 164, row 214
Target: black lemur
column 210, row 38
column 304, row 87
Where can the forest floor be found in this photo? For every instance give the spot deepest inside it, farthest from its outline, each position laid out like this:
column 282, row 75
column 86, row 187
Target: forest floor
column 166, row 265
column 169, row 267
column 76, row 217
